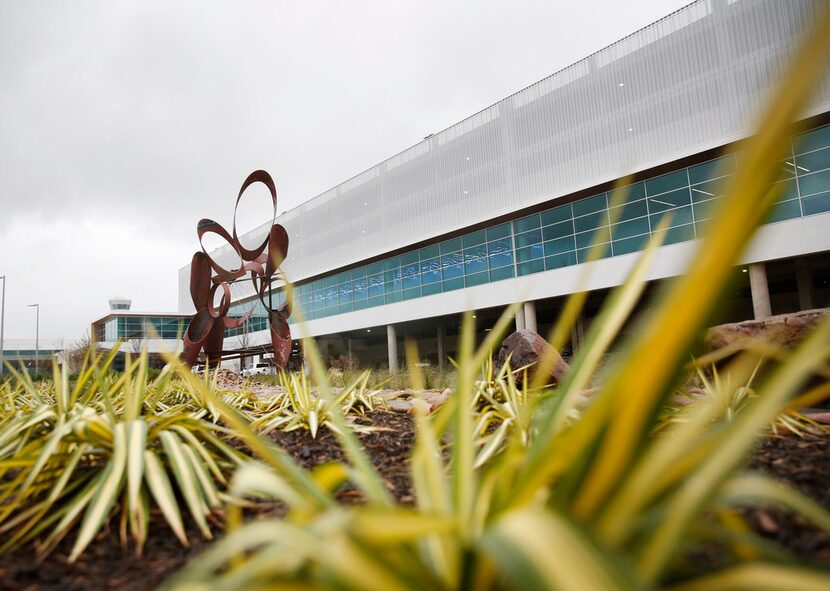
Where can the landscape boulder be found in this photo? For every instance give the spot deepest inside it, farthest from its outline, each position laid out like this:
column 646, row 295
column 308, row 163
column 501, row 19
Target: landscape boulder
column 525, row 347
column 786, row 330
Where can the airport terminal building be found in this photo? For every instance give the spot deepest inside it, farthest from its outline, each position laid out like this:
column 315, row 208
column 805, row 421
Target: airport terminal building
column 503, row 206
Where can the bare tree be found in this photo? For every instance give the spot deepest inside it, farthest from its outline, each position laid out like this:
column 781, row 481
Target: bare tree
column 76, row 354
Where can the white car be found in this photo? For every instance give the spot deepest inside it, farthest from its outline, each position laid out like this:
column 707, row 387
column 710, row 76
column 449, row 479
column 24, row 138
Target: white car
column 260, row 368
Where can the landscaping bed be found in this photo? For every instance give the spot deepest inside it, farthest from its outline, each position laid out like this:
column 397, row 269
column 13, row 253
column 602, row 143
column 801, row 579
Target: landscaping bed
column 801, row 462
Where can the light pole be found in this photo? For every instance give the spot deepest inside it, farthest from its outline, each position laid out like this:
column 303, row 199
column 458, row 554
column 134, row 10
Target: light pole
column 37, row 336
column 2, row 321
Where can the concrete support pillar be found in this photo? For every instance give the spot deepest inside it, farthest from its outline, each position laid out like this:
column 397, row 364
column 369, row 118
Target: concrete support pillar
column 577, row 333
column 349, row 348
column 804, row 280
column 530, row 315
column 520, row 317
column 760, row 291
column 442, row 351
column 392, row 343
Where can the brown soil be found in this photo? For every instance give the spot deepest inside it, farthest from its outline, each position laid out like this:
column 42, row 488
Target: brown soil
column 106, row 565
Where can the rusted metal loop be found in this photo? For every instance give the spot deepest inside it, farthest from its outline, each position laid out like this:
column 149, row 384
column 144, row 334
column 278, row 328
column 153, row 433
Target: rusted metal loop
column 264, row 286
column 224, row 304
column 236, row 322
column 258, row 176
column 199, row 279
column 277, row 248
column 208, row 226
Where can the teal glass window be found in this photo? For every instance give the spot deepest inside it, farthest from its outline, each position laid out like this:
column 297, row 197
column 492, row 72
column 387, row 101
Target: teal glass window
column 785, row 210
column 524, row 224
column 451, row 245
column 392, row 297
column 812, row 140
column 375, row 285
column 431, row 270
column 707, row 190
column 680, row 234
column 630, row 211
column 557, row 215
column 452, row 266
column 813, row 183
column 813, row 161
column 529, row 252
column 630, row 244
column 558, row 230
column 559, row 245
column 669, row 200
column 528, row 267
column 591, row 221
column 391, row 263
column 476, row 279
column 528, row 238
column 667, row 182
column 500, row 231
column 411, row 281
column 500, row 252
column 712, row 169
column 594, row 204
column 475, row 259
column 452, row 284
column 429, row 252
column 431, row 288
column 375, row 268
column 501, row 273
column 409, row 258
column 604, row 251
column 630, row 228
column 563, row 259
column 473, row 239
column 586, row 239
column 679, row 216
column 816, row 203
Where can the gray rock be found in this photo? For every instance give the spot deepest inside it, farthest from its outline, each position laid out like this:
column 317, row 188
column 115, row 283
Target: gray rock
column 786, row 330
column 525, row 347
column 398, row 405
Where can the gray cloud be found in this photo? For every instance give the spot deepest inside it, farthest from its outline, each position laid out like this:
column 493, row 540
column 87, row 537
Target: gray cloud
column 132, row 120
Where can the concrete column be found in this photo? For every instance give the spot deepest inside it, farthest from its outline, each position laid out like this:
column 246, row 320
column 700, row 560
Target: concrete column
column 760, row 291
column 577, row 333
column 349, row 348
column 392, row 343
column 520, row 318
column 442, row 351
column 530, row 315
column 804, row 280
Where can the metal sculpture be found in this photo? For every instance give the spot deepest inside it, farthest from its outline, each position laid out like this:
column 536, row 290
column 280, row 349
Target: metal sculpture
column 206, row 329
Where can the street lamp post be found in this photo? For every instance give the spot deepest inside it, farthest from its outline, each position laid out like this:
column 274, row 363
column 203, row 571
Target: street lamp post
column 37, row 336
column 2, row 322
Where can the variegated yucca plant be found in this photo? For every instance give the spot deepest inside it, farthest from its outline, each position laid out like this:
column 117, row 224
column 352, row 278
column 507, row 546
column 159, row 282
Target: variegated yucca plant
column 297, row 406
column 594, row 501
column 70, row 455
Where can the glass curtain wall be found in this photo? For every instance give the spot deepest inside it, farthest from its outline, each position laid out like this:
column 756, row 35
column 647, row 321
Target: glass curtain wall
column 561, row 236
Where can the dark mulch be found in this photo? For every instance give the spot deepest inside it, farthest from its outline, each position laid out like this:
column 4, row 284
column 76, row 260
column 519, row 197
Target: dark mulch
column 803, row 464
column 106, row 565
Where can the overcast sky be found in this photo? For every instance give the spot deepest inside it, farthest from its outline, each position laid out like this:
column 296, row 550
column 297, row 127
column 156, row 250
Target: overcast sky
column 124, row 123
